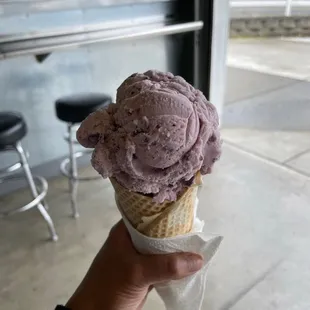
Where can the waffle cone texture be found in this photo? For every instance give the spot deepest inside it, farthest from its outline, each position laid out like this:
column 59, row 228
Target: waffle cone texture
column 158, row 220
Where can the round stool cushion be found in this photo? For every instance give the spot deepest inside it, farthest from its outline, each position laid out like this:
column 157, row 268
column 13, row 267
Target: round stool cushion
column 75, row 108
column 12, row 128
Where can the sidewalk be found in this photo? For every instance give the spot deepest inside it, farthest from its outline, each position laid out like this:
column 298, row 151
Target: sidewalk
column 267, row 109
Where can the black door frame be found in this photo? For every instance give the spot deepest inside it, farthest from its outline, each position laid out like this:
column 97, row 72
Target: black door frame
column 196, row 54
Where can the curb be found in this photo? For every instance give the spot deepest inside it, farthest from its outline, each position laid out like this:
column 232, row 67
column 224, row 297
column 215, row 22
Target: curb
column 270, row 26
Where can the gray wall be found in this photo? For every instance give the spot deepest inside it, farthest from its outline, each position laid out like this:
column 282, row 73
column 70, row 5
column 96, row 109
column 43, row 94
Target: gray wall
column 31, row 88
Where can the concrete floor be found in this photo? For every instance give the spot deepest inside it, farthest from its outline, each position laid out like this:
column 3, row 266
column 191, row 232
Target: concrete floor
column 266, row 117
column 261, row 210
column 258, row 198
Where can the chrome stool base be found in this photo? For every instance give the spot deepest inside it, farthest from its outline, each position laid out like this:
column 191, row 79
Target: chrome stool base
column 66, row 171
column 38, row 194
column 69, row 169
column 41, row 183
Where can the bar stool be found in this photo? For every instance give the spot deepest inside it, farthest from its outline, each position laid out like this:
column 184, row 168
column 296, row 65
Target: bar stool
column 12, row 130
column 73, row 110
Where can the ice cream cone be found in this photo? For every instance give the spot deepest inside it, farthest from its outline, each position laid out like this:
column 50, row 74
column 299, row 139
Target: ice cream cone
column 156, row 220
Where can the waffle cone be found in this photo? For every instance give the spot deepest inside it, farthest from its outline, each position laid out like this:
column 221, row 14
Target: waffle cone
column 158, row 220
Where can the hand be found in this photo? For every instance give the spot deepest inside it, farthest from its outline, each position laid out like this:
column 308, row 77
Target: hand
column 120, row 278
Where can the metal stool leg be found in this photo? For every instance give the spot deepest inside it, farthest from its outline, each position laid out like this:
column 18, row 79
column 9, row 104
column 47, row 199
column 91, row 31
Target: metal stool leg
column 45, row 204
column 73, row 181
column 34, row 191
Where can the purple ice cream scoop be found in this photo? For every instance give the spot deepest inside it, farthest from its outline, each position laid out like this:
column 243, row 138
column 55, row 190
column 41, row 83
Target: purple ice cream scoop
column 157, row 136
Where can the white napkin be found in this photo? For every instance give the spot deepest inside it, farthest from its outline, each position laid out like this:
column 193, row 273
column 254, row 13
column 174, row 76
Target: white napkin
column 185, row 294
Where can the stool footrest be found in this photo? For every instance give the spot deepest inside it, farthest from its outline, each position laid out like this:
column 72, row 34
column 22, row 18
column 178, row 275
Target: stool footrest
column 65, row 171
column 7, row 170
column 41, row 195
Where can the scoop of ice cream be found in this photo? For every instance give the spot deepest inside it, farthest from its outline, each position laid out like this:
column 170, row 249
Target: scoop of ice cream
column 157, row 136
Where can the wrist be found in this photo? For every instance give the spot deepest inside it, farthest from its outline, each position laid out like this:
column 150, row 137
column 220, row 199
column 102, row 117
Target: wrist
column 78, row 304
column 81, row 300
column 61, row 307
column 107, row 299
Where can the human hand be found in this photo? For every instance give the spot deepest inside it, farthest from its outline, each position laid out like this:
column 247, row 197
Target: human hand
column 120, row 278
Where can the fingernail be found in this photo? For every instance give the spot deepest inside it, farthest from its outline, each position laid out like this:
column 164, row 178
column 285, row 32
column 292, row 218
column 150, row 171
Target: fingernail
column 194, row 262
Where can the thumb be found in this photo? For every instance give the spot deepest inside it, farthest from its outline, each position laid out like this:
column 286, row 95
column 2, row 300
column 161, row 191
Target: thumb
column 166, row 267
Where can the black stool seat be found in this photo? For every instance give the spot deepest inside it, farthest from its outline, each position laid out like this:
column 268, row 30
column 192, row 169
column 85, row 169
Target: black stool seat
column 75, row 108
column 12, row 128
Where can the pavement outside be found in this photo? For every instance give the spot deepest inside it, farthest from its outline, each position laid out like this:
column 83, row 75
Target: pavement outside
column 258, row 198
column 267, row 109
